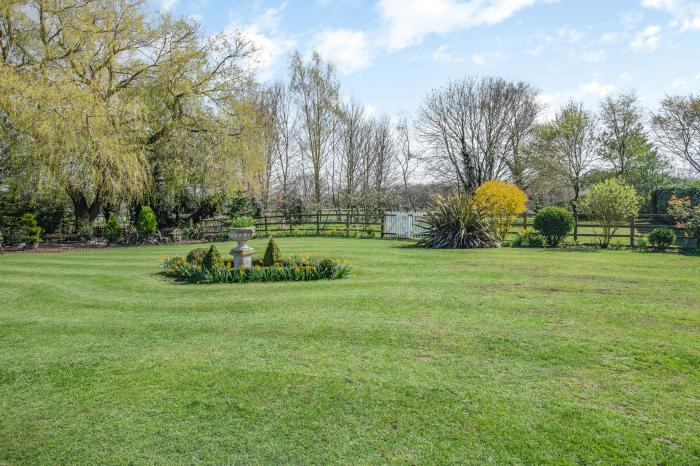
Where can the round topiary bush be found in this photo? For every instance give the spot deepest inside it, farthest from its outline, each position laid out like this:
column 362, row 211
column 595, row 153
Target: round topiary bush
column 662, row 238
column 555, row 224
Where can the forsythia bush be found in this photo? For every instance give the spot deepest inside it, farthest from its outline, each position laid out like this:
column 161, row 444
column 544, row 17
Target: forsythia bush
column 501, row 202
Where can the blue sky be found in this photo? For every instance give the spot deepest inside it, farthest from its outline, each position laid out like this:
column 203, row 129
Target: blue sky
column 390, row 53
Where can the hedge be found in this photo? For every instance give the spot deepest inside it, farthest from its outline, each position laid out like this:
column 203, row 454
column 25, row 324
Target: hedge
column 660, row 197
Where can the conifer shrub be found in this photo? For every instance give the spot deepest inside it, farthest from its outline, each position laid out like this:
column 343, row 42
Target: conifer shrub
column 272, row 253
column 212, row 259
column 196, row 256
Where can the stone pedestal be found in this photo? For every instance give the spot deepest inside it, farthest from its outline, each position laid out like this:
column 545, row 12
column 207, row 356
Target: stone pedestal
column 242, row 256
column 242, row 253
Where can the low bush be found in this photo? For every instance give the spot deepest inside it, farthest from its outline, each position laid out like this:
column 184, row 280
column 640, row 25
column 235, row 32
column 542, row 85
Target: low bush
column 113, row 231
column 554, row 224
column 296, row 269
column 146, row 224
column 212, row 259
column 456, row 222
column 272, row 253
column 196, row 256
column 85, row 230
column 528, row 238
column 662, row 238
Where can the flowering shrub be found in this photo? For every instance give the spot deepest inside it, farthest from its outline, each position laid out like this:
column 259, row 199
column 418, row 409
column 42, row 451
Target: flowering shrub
column 687, row 216
column 295, row 269
column 501, row 202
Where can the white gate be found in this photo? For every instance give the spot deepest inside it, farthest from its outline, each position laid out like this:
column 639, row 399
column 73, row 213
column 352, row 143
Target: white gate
column 403, row 224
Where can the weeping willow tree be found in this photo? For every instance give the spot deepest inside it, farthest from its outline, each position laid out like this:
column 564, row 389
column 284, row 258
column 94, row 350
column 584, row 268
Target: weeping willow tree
column 107, row 101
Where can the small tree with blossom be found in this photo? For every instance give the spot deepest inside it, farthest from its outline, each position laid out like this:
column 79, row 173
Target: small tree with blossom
column 687, row 217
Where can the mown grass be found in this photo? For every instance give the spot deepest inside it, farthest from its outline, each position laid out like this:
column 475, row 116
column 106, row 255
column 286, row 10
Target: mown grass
column 423, row 357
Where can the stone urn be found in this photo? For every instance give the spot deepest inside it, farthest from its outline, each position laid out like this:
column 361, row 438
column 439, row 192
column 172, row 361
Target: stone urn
column 242, row 253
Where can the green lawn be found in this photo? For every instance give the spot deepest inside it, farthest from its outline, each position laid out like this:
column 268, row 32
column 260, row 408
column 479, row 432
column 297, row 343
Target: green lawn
column 423, row 356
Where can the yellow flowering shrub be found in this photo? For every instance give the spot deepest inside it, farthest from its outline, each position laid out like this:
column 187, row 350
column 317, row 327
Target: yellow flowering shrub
column 501, row 202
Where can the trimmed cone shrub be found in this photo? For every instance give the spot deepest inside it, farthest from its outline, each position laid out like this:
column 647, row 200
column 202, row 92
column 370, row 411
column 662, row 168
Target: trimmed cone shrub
column 456, row 223
column 146, row 224
column 662, row 238
column 212, row 259
column 272, row 254
column 555, row 224
column 196, row 256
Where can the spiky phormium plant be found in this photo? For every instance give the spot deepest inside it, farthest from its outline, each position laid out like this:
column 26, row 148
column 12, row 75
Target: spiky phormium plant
column 456, row 222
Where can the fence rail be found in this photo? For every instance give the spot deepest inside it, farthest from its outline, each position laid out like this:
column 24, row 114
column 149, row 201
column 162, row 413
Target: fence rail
column 409, row 225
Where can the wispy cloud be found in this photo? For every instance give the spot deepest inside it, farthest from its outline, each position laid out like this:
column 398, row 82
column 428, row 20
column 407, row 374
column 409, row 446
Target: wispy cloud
column 348, row 49
column 647, row 40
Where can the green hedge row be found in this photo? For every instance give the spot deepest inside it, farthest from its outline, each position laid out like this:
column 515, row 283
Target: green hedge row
column 660, row 197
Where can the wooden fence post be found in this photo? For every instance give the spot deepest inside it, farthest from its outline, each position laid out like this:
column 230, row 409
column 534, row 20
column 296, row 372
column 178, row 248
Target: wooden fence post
column 347, row 224
column 318, row 222
column 265, row 220
column 632, row 231
column 525, row 220
column 381, row 226
column 576, row 227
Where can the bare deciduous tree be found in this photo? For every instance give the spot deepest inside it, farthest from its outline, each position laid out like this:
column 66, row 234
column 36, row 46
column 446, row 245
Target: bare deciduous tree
column 677, row 128
column 471, row 126
column 315, row 89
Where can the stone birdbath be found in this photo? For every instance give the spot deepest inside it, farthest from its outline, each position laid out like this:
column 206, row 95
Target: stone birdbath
column 242, row 253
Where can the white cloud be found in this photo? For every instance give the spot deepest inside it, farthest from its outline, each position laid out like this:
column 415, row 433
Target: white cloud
column 442, row 55
column 592, row 56
column 346, row 48
column 591, row 92
column 409, row 21
column 686, row 13
column 647, row 40
column 167, row 5
column 269, row 41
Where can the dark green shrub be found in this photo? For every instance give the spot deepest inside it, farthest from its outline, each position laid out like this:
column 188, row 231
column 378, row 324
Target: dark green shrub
column 555, row 224
column 456, row 223
column 527, row 238
column 212, row 259
column 272, row 253
column 327, row 267
column 30, row 233
column 196, row 256
column 146, row 224
column 662, row 238
column 113, row 230
column 85, row 230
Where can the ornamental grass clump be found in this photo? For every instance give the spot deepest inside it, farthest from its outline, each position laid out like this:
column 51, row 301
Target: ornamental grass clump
column 501, row 202
column 456, row 222
column 196, row 256
column 554, row 224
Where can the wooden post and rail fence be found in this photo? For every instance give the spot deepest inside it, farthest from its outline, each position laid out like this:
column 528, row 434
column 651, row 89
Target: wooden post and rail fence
column 408, row 225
